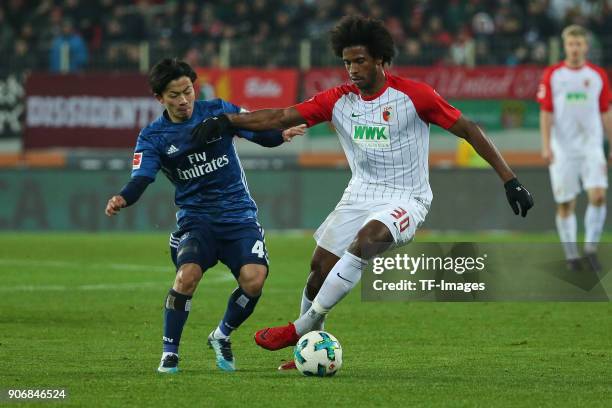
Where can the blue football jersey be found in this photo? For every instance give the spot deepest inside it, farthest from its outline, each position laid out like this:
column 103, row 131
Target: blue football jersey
column 209, row 180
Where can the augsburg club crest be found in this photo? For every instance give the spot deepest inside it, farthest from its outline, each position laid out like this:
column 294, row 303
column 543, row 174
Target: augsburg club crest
column 386, row 114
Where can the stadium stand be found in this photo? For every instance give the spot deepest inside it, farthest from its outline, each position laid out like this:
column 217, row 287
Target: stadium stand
column 111, row 34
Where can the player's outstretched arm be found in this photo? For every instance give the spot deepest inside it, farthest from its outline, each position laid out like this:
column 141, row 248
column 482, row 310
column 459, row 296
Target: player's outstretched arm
column 272, row 138
column 264, row 119
column 517, row 195
column 129, row 194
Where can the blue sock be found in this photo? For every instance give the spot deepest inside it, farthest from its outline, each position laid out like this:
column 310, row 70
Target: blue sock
column 176, row 311
column 239, row 307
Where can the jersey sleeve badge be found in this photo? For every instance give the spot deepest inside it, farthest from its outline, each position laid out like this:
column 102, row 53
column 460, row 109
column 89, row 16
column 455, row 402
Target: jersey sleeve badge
column 136, row 161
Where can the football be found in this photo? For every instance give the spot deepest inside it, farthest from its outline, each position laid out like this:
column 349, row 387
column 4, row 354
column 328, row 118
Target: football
column 318, row 353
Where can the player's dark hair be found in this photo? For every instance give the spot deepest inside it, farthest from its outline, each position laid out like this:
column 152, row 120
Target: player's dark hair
column 168, row 70
column 367, row 32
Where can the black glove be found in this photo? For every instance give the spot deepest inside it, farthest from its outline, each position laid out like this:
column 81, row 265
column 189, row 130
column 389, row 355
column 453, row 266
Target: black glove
column 518, row 195
column 211, row 129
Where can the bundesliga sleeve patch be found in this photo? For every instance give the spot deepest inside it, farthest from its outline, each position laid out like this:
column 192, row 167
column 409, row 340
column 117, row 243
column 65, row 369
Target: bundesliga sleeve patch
column 137, row 161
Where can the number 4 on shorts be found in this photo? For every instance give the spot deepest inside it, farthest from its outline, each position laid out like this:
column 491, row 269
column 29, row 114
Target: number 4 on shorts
column 258, row 249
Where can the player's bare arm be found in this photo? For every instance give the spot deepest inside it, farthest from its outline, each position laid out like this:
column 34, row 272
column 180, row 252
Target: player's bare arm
column 471, row 132
column 129, row 194
column 264, row 119
column 546, row 119
column 606, row 119
column 518, row 197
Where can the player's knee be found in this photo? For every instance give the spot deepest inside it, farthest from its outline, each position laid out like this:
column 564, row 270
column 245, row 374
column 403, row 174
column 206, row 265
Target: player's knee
column 597, row 199
column 254, row 286
column 252, row 280
column 187, row 278
column 371, row 240
column 564, row 210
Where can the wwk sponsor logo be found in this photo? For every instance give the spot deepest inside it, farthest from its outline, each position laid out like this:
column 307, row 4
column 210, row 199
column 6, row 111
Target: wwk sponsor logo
column 373, row 137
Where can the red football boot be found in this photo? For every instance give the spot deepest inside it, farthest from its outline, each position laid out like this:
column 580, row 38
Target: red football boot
column 287, row 365
column 276, row 338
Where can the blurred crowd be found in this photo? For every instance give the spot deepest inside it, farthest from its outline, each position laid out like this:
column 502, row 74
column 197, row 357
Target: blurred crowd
column 106, row 34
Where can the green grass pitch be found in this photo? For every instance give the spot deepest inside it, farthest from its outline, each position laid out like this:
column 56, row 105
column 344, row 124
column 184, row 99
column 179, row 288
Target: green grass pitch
column 83, row 312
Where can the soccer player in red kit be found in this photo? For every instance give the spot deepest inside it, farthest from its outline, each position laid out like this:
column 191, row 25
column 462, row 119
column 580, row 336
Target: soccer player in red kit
column 382, row 121
column 574, row 96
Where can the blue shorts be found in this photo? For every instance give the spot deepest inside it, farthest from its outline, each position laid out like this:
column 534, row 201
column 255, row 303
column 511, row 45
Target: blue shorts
column 205, row 243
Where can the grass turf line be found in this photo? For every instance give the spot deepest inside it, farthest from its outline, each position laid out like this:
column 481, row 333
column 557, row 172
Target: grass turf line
column 83, row 311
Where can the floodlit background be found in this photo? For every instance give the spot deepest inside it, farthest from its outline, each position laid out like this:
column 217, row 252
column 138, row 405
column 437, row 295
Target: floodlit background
column 74, row 97
column 81, row 294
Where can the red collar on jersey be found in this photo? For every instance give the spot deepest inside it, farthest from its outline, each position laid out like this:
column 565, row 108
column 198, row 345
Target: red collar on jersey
column 377, row 94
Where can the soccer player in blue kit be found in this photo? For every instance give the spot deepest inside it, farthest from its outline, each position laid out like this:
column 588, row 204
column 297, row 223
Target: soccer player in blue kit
column 217, row 218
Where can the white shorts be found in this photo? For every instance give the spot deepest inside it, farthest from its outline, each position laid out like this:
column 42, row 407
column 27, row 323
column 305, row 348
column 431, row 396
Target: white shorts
column 341, row 226
column 567, row 174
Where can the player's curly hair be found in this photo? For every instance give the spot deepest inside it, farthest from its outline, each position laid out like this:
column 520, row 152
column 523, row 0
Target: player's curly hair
column 368, row 32
column 168, row 70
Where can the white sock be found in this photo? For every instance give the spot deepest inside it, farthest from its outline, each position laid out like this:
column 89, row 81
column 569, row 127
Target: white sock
column 567, row 229
column 594, row 220
column 167, row 353
column 218, row 334
column 305, row 305
column 341, row 279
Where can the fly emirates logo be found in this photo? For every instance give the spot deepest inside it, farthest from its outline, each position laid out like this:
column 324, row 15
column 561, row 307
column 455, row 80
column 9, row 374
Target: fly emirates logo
column 200, row 167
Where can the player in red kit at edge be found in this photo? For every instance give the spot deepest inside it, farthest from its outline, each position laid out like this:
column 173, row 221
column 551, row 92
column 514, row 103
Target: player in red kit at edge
column 382, row 121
